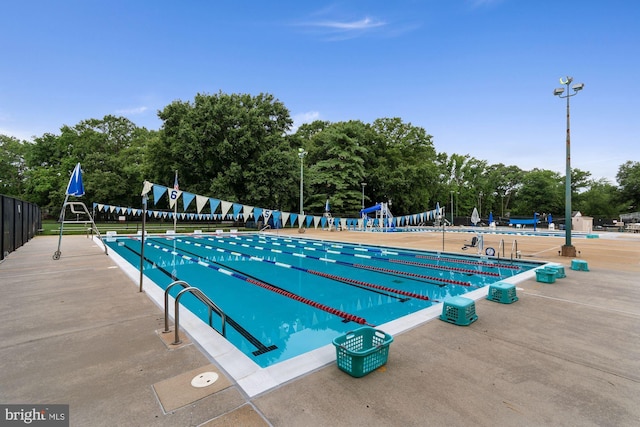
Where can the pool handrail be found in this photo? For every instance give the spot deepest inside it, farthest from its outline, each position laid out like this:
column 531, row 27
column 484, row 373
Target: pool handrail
column 200, row 296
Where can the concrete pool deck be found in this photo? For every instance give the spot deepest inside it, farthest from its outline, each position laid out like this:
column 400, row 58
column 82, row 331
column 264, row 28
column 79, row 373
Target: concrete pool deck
column 77, row 331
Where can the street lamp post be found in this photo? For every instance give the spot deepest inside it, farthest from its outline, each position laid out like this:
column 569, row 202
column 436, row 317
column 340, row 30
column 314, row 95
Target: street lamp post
column 452, row 207
column 363, row 185
column 568, row 249
column 301, row 154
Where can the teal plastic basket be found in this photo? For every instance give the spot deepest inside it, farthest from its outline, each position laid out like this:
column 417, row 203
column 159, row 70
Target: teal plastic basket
column 558, row 270
column 361, row 351
column 545, row 276
column 504, row 293
column 460, row 311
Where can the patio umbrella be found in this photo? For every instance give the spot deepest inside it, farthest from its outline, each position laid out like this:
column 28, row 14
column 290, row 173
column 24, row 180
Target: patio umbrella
column 490, row 217
column 549, row 218
column 475, row 218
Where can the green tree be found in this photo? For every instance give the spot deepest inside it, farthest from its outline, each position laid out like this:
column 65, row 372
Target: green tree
column 336, row 168
column 542, row 191
column 628, row 178
column 505, row 182
column 12, row 166
column 218, row 144
column 400, row 165
column 110, row 152
column 599, row 201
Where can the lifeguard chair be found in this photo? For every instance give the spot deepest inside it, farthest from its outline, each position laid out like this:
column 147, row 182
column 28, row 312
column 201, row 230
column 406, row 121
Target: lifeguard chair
column 76, row 188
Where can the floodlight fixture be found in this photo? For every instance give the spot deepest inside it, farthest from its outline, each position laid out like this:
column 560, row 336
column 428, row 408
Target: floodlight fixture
column 578, row 86
column 559, row 91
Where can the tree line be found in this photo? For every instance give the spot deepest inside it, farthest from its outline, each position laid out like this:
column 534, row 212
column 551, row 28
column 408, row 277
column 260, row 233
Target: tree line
column 241, row 148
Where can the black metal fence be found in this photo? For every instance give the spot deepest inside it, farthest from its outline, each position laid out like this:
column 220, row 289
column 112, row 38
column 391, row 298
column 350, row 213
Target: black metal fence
column 20, row 223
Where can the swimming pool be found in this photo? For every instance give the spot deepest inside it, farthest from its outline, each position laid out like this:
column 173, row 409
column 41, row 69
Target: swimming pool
column 285, row 296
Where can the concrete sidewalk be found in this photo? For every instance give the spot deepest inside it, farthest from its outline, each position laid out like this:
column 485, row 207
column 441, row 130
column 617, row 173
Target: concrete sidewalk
column 77, row 331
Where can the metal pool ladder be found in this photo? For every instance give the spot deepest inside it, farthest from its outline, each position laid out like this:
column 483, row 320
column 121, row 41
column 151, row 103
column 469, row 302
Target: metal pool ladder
column 514, row 249
column 201, row 297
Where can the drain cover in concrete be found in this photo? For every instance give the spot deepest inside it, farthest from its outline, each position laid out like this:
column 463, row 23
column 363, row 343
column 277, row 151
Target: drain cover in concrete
column 204, row 379
column 178, row 392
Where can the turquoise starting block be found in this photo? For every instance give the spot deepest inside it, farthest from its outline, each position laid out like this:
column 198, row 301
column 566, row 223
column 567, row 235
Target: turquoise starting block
column 579, row 265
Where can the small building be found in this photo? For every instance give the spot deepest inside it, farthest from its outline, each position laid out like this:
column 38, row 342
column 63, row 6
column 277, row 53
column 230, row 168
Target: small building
column 581, row 223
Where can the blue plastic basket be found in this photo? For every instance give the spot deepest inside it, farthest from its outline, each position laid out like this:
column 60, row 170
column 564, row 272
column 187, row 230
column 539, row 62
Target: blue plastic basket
column 361, row 351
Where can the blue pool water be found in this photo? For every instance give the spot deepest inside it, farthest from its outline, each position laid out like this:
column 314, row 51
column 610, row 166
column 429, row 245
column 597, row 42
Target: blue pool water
column 284, row 296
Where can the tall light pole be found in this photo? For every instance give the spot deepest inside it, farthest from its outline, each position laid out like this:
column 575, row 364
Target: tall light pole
column 301, row 154
column 363, row 185
column 452, row 207
column 568, row 249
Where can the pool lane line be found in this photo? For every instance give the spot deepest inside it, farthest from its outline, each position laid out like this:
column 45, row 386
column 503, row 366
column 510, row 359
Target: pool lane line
column 273, row 288
column 336, row 278
column 260, row 347
column 397, row 261
column 331, row 276
column 369, row 267
column 442, row 258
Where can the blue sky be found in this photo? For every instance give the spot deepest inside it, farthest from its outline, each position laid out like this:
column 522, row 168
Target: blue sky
column 478, row 75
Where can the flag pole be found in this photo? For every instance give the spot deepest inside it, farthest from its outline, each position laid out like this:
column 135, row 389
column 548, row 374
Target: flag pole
column 144, row 220
column 175, row 206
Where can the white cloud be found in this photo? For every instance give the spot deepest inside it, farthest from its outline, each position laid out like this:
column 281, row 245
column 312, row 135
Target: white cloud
column 302, row 118
column 342, row 29
column 363, row 24
column 132, row 111
column 19, row 134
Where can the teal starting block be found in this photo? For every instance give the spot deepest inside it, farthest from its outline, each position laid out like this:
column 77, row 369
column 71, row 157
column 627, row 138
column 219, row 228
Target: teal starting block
column 558, row 270
column 579, row 265
column 501, row 292
column 545, row 276
column 459, row 311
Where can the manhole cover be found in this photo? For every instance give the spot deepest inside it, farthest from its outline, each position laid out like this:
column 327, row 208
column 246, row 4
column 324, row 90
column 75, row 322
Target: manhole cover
column 204, row 379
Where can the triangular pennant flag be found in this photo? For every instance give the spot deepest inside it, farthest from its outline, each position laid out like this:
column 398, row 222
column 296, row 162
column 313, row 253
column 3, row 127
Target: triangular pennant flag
column 112, row 209
column 247, row 211
column 257, row 212
column 237, row 207
column 146, row 187
column 214, row 203
column 158, row 192
column 285, row 218
column 174, row 195
column 225, row 206
column 309, row 219
column 293, row 217
column 316, row 221
column 201, row 201
column 276, row 218
column 187, row 198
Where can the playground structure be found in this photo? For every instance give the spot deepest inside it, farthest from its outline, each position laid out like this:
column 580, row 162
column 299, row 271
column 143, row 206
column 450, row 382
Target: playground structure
column 383, row 217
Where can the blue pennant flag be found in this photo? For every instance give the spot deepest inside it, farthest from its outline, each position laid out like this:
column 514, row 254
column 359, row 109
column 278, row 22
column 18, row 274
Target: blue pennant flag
column 75, row 186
